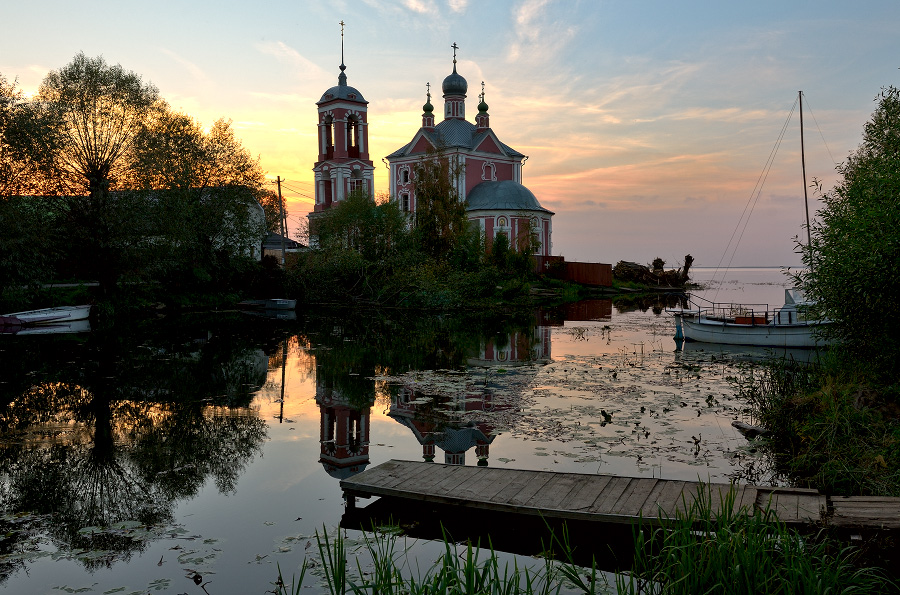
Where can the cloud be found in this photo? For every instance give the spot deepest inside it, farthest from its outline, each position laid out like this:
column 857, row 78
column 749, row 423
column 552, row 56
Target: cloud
column 285, row 54
column 537, row 37
column 196, row 72
column 458, row 5
column 420, row 6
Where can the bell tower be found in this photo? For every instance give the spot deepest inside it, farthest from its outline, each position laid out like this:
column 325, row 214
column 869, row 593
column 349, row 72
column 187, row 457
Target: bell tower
column 343, row 165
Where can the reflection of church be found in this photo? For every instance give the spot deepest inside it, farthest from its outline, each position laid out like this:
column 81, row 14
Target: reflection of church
column 439, row 422
column 515, row 349
column 343, row 431
column 435, row 422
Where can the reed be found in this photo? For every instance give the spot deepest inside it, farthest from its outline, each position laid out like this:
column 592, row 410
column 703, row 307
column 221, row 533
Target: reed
column 716, row 549
column 704, row 549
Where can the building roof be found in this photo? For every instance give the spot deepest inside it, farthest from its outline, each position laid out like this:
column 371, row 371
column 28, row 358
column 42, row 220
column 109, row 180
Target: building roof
column 342, row 91
column 273, row 242
column 454, row 133
column 506, row 195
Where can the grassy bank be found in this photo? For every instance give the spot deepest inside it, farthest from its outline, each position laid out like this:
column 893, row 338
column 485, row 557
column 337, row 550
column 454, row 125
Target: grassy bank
column 833, row 425
column 698, row 552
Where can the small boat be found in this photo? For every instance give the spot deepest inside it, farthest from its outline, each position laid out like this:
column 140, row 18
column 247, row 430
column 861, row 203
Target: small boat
column 47, row 315
column 54, row 328
column 751, row 324
column 754, row 324
column 270, row 304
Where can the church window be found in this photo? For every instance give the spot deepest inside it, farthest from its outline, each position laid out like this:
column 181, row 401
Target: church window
column 353, row 136
column 489, row 171
column 404, row 202
column 329, row 136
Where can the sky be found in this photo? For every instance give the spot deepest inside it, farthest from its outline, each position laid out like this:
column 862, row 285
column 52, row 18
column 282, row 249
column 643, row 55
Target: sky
column 647, row 124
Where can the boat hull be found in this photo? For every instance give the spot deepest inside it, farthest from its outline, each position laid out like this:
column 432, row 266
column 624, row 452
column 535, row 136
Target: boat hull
column 760, row 335
column 52, row 315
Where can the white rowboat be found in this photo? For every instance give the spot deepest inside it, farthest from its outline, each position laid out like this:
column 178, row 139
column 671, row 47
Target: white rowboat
column 51, row 315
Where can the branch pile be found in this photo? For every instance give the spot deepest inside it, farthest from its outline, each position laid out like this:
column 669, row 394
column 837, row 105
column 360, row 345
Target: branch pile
column 654, row 274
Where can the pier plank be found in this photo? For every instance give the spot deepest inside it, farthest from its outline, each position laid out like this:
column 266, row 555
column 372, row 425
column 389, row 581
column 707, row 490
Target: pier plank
column 611, row 495
column 668, row 499
column 585, row 494
column 554, row 492
column 650, row 508
column 606, row 498
column 632, row 501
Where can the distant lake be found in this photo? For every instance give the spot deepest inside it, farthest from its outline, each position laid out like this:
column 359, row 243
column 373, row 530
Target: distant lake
column 139, row 457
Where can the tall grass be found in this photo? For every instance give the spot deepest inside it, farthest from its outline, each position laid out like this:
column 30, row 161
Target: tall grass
column 715, row 549
column 699, row 551
column 831, row 428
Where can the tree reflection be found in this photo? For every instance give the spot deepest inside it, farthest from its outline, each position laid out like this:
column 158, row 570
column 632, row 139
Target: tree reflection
column 111, row 439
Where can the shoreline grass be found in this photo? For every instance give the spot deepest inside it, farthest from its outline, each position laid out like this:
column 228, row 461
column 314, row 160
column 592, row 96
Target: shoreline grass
column 697, row 551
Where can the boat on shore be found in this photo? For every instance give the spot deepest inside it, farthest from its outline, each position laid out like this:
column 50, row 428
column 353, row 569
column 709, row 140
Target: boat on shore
column 47, row 315
column 788, row 326
column 270, row 304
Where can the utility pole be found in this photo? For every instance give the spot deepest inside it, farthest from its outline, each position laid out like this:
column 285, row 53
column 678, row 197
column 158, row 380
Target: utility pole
column 281, row 208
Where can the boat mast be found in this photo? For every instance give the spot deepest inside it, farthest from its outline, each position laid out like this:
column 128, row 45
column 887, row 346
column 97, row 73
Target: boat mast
column 803, row 166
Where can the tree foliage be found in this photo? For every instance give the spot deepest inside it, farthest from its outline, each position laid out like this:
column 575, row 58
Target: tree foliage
column 98, row 110
column 440, row 218
column 27, row 143
column 360, row 224
column 856, row 243
column 136, row 189
column 203, row 187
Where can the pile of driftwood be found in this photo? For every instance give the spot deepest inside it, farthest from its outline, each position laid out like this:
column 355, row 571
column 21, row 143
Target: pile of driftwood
column 654, row 274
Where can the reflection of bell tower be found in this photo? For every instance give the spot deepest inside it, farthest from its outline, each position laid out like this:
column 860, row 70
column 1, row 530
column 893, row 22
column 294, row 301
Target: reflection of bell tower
column 343, row 432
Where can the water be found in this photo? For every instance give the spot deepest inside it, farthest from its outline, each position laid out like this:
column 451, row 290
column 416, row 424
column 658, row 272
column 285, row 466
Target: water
column 211, row 446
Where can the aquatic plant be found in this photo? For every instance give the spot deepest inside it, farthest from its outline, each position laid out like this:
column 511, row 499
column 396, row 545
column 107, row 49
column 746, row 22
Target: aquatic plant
column 705, row 548
column 712, row 549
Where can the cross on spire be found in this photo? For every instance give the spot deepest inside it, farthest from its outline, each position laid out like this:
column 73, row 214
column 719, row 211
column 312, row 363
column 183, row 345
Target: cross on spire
column 455, row 47
column 342, row 43
column 428, row 90
column 482, row 91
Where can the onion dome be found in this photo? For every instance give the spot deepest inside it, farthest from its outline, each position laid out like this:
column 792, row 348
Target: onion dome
column 482, row 107
column 428, row 108
column 454, row 84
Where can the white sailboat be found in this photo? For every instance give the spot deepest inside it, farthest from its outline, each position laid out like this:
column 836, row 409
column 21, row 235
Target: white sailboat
column 788, row 326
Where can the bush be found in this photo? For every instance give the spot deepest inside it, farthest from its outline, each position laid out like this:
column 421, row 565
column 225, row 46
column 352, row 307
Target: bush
column 851, row 270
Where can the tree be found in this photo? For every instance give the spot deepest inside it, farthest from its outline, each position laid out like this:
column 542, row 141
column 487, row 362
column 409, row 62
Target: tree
column 441, row 220
column 855, row 248
column 358, row 223
column 26, row 143
column 99, row 110
column 203, row 188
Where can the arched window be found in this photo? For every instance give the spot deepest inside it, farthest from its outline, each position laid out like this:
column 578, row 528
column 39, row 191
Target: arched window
column 353, row 136
column 502, row 221
column 329, row 137
column 404, row 202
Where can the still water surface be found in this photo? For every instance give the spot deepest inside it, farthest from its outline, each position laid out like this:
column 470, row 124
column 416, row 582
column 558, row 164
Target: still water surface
column 210, row 446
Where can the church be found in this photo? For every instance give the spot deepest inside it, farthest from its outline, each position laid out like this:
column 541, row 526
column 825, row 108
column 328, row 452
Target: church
column 490, row 178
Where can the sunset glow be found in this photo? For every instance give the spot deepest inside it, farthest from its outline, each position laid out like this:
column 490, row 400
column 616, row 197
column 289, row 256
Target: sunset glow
column 646, row 124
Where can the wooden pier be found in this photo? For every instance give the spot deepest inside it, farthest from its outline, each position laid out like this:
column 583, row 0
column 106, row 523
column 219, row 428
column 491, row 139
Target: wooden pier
column 606, row 498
